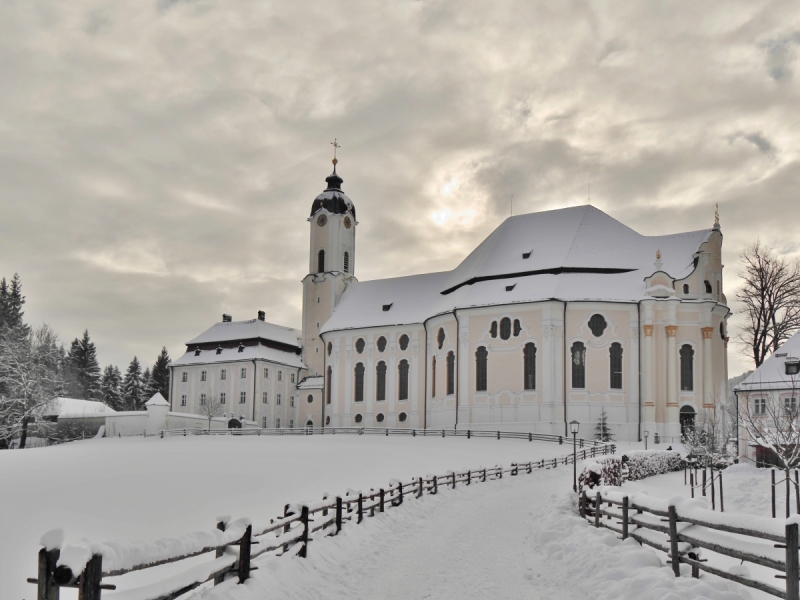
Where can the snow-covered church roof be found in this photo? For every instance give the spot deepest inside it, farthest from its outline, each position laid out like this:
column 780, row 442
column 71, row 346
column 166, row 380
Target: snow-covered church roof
column 246, row 330
column 771, row 375
column 577, row 253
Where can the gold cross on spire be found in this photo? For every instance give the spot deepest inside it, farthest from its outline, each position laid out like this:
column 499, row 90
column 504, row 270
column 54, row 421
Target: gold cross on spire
column 336, row 146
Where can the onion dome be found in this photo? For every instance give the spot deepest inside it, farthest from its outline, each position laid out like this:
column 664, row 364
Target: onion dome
column 333, row 199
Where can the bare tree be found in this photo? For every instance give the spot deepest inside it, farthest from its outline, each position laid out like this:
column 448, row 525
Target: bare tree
column 212, row 408
column 771, row 298
column 31, row 378
column 708, row 439
column 774, row 423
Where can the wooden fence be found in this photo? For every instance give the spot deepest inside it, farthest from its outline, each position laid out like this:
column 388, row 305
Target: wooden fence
column 682, row 530
column 385, row 431
column 236, row 544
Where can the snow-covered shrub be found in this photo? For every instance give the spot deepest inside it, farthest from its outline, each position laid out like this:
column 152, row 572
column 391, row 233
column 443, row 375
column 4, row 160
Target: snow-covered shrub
column 630, row 466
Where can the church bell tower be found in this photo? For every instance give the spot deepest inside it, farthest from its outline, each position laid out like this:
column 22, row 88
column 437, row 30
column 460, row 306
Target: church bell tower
column 331, row 264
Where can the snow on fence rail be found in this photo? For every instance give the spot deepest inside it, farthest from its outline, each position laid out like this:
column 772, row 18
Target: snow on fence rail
column 681, row 527
column 467, row 433
column 236, row 543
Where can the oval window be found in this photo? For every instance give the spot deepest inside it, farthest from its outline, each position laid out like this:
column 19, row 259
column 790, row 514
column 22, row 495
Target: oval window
column 379, row 418
column 328, row 420
column 402, row 417
column 330, row 348
column 381, row 344
column 505, row 328
column 440, row 338
column 360, row 345
column 359, row 418
column 310, row 398
column 403, row 342
column 598, row 325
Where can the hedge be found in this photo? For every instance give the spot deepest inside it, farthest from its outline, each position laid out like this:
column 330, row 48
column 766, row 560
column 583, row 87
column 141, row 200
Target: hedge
column 629, row 466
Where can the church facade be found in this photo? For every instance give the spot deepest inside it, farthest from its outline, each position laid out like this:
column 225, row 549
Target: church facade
column 557, row 316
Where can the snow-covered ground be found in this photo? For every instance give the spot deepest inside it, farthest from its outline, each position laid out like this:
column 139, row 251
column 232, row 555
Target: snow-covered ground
column 518, row 537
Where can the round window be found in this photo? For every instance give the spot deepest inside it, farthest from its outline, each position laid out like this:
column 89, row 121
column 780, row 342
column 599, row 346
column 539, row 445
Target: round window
column 359, row 418
column 598, row 325
column 402, row 417
column 322, row 220
column 360, row 345
column 379, row 418
column 310, row 398
column 403, row 342
column 381, row 344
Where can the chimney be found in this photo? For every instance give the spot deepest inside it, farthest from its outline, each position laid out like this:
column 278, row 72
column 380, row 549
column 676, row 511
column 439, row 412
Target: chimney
column 262, row 316
column 226, row 318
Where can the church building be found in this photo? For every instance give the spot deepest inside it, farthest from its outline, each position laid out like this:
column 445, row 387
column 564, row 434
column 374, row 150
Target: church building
column 557, row 315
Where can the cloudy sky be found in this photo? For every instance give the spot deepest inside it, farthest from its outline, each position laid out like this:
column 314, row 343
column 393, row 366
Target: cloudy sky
column 158, row 158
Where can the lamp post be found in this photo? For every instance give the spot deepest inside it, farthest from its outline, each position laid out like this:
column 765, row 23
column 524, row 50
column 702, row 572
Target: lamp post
column 646, row 433
column 573, row 427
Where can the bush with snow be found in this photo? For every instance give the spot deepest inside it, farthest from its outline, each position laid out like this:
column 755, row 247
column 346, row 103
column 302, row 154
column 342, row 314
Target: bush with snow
column 630, row 466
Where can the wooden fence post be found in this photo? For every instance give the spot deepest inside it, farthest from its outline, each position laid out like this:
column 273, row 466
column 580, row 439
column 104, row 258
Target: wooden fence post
column 360, row 510
column 721, row 497
column 469, row 476
column 454, row 481
column 484, row 475
column 498, row 435
column 625, row 518
column 442, row 432
column 691, row 482
column 792, row 565
column 673, row 540
column 89, row 585
column 713, row 495
column 705, row 482
column 219, row 553
column 338, row 514
column 244, row 554
column 772, row 473
column 468, row 434
column 288, row 526
column 304, row 536
column 400, row 496
column 47, row 589
column 597, row 504
column 420, row 488
column 582, row 504
column 382, row 500
column 435, row 485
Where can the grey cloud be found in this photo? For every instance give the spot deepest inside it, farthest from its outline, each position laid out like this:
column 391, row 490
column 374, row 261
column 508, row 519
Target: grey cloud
column 781, row 54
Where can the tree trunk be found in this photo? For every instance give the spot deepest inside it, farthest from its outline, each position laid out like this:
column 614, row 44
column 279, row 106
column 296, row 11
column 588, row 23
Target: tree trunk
column 24, row 435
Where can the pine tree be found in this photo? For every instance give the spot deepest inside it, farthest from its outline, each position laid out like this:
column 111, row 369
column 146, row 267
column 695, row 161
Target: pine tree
column 83, row 369
column 602, row 430
column 11, row 302
column 133, row 386
column 111, row 388
column 147, row 385
column 159, row 375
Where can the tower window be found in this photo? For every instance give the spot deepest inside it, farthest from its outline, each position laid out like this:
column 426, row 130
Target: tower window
column 381, row 344
column 360, row 345
column 598, row 325
column 687, row 368
column 708, row 287
column 359, row 374
column 402, row 391
column 529, row 361
column 329, row 386
column 451, row 369
column 330, row 348
column 321, row 261
column 685, row 288
column 481, row 368
column 310, row 399
column 346, row 262
column 505, row 328
column 440, row 337
column 380, row 387
column 578, row 365
column 433, row 377
column 615, row 358
column 403, row 342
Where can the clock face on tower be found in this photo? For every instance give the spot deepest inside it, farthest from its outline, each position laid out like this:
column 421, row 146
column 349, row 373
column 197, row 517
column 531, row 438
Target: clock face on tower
column 347, row 223
column 322, row 220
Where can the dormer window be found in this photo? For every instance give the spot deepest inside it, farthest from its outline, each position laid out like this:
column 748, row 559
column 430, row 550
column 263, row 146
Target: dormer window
column 526, row 255
column 387, row 307
column 197, row 352
column 219, row 349
column 792, row 366
column 511, row 287
column 241, row 347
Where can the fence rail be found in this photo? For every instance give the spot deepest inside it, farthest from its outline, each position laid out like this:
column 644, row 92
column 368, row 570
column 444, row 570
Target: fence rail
column 236, row 544
column 682, row 529
column 386, row 431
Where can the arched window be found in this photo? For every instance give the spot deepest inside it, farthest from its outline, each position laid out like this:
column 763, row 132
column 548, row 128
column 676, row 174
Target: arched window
column 402, row 369
column 346, row 262
column 321, row 261
column 451, row 373
column 685, row 288
column 330, row 348
column 380, row 381
column 493, row 329
column 505, row 328
column 529, row 360
column 687, row 368
column 440, row 338
column 433, row 377
column 517, row 327
column 359, row 371
column 403, row 342
column 578, row 365
column 615, row 357
column 360, row 345
column 687, row 415
column 329, row 386
column 381, row 344
column 722, row 330
column 481, row 369
column 598, row 325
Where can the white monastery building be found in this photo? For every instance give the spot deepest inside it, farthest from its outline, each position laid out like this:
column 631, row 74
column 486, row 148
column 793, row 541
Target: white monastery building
column 557, row 315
